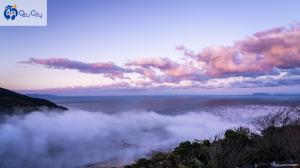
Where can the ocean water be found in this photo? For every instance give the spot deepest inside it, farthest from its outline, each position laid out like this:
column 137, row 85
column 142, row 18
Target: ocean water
column 171, row 105
column 116, row 130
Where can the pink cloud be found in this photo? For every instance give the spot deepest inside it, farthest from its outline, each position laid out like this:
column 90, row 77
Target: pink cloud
column 265, row 53
column 169, row 70
column 256, row 55
column 108, row 69
column 186, row 71
column 160, row 63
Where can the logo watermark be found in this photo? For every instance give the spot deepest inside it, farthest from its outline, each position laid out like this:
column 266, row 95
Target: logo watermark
column 23, row 13
column 10, row 12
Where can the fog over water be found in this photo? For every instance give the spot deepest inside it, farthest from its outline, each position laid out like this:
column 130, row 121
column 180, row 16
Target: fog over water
column 78, row 137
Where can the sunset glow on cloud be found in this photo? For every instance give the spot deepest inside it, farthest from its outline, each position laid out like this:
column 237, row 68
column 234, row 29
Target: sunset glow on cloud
column 266, row 59
column 256, row 55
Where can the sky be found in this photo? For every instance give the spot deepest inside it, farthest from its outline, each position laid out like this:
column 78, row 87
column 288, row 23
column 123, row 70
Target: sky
column 94, row 47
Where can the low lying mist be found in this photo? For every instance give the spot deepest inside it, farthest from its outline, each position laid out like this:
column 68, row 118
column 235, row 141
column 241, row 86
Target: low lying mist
column 75, row 138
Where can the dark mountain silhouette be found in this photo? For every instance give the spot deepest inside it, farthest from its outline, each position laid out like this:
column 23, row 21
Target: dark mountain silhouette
column 12, row 102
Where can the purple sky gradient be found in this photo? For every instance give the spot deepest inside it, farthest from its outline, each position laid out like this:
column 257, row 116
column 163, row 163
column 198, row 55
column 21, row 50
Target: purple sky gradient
column 154, row 47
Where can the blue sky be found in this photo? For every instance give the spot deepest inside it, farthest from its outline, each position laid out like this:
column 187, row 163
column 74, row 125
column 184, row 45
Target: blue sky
column 122, row 30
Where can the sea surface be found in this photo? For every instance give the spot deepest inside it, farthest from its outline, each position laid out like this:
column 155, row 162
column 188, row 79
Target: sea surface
column 171, row 105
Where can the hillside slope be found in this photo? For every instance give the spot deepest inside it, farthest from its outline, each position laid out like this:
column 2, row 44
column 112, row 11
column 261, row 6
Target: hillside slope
column 11, row 102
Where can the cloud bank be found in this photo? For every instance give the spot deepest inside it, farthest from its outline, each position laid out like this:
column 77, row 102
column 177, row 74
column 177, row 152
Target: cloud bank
column 266, row 59
column 77, row 138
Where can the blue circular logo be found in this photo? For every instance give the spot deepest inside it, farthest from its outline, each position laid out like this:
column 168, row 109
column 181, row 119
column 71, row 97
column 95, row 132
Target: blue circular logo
column 10, row 12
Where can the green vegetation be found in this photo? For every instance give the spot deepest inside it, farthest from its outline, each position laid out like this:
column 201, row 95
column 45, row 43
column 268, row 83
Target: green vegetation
column 12, row 103
column 278, row 139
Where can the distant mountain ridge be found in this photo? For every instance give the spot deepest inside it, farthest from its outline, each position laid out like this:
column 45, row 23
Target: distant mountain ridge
column 11, row 102
column 275, row 94
column 43, row 96
column 261, row 94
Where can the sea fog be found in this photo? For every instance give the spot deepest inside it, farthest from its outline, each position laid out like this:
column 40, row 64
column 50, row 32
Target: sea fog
column 116, row 130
